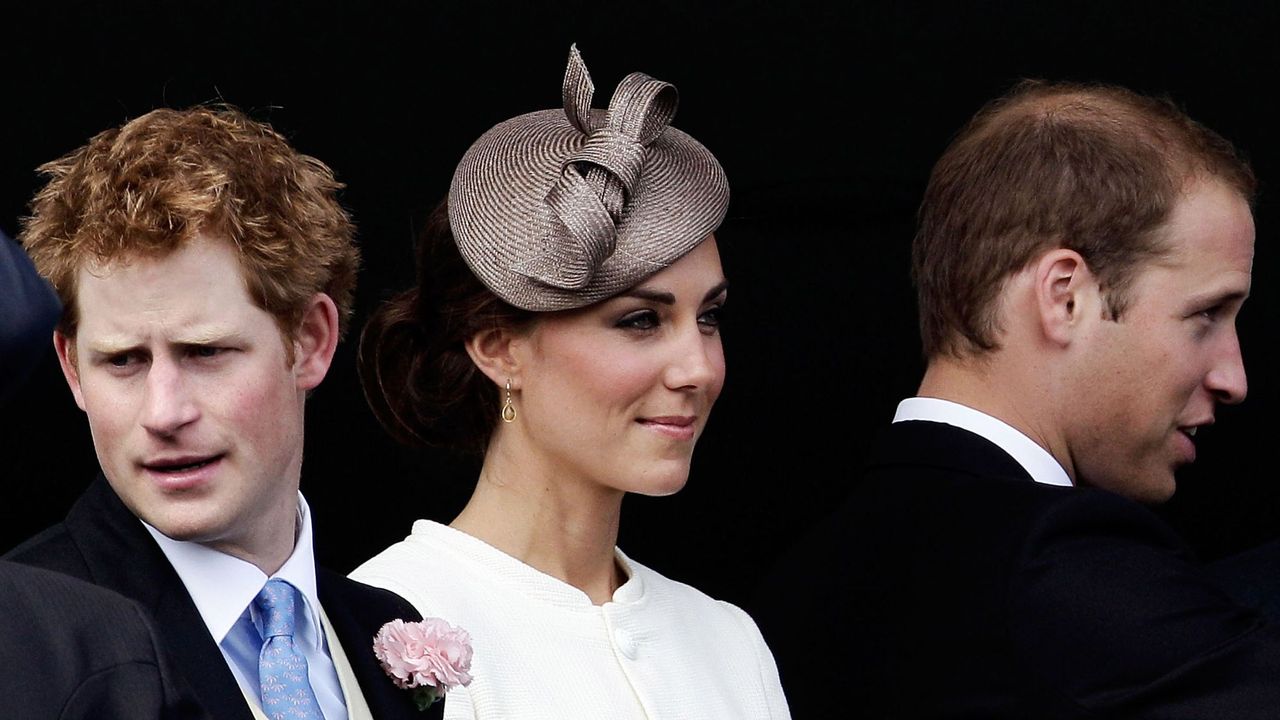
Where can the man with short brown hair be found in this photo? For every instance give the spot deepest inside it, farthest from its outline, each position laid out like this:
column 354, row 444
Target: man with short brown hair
column 1082, row 254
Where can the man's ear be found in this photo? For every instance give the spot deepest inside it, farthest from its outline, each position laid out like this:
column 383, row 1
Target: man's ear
column 1066, row 294
column 497, row 352
column 315, row 341
column 66, row 349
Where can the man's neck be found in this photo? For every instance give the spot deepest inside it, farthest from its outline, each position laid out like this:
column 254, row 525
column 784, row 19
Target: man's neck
column 1001, row 390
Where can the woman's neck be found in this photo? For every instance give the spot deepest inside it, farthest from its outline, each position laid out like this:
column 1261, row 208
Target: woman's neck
column 563, row 527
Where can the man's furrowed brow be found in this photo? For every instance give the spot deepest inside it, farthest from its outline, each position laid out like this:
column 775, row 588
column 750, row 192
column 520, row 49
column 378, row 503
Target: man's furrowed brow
column 213, row 335
column 112, row 345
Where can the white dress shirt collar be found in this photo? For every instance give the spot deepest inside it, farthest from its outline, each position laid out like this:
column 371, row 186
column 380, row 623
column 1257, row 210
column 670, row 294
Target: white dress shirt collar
column 222, row 586
column 1033, row 458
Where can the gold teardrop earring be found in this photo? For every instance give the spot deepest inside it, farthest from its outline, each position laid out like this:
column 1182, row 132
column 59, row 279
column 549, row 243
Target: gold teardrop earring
column 508, row 409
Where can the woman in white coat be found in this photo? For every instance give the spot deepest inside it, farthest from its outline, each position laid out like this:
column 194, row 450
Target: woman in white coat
column 565, row 326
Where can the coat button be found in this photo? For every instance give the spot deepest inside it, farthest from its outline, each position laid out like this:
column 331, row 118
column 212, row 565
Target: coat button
column 626, row 643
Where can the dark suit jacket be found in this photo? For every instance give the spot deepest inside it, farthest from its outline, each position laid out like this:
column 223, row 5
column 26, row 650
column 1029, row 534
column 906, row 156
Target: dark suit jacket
column 71, row 650
column 1253, row 578
column 101, row 541
column 951, row 585
column 28, row 311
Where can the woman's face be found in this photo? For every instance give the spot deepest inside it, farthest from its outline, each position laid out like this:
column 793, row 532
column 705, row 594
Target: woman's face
column 616, row 394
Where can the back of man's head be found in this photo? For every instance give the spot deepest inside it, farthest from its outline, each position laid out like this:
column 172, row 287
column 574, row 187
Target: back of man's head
column 146, row 188
column 1091, row 168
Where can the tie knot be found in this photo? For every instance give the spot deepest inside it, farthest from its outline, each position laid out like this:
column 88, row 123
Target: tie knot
column 277, row 603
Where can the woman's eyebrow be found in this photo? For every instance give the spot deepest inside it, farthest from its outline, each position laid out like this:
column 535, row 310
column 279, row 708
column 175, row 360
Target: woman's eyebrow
column 717, row 290
column 667, row 298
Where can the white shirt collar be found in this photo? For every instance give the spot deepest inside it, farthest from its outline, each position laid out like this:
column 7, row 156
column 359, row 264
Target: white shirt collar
column 1033, row 458
column 222, row 586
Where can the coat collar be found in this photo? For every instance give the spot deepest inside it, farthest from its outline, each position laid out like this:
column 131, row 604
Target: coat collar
column 104, row 530
column 920, row 442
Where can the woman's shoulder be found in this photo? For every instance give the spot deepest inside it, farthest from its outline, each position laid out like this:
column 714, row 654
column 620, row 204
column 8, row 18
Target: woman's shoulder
column 440, row 569
column 422, row 564
column 677, row 599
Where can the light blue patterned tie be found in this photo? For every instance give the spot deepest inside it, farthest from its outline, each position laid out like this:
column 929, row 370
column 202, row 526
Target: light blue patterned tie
column 282, row 670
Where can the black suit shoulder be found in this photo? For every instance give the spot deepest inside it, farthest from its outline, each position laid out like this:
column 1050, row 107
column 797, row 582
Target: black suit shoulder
column 951, row 585
column 53, row 549
column 101, row 542
column 69, row 649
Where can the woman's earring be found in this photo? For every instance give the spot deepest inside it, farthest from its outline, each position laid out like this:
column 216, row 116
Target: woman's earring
column 508, row 410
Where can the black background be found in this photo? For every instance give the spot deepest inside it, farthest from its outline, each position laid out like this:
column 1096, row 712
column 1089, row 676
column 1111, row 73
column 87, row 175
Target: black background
column 827, row 117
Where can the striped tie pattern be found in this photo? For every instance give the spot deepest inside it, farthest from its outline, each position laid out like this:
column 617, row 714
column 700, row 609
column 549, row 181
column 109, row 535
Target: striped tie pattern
column 282, row 670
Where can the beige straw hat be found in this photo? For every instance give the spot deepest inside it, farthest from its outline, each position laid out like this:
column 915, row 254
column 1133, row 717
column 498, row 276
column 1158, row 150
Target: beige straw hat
column 560, row 209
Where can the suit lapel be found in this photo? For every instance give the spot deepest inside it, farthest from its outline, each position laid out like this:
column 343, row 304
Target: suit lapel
column 122, row 556
column 356, row 612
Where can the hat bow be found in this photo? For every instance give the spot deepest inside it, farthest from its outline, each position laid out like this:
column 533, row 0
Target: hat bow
column 598, row 181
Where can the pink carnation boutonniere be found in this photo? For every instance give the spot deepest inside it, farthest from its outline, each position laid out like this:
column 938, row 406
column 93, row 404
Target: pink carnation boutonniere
column 428, row 657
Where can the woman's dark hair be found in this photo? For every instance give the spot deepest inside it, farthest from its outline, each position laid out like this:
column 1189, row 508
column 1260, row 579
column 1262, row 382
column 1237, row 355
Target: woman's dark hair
column 417, row 376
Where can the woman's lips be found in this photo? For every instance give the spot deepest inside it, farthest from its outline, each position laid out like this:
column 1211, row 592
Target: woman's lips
column 678, row 427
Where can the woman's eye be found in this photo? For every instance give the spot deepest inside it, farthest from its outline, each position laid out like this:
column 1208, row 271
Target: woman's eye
column 639, row 320
column 711, row 317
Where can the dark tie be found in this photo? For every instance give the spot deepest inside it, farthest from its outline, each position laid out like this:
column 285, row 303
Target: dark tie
column 282, row 670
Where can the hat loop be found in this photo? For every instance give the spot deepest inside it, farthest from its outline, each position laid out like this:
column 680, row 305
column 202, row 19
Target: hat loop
column 577, row 91
column 582, row 238
column 597, row 181
column 642, row 107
